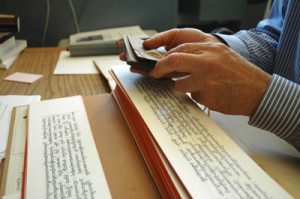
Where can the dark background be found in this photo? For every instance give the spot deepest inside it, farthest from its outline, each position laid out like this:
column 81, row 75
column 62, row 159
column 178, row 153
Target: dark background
column 159, row 15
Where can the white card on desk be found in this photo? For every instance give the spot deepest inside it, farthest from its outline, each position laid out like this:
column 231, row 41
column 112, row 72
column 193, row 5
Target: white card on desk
column 79, row 65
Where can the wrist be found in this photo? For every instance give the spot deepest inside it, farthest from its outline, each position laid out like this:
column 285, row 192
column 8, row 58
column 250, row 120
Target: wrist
column 217, row 38
column 259, row 89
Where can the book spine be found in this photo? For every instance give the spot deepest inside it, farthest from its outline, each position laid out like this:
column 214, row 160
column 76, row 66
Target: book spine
column 9, row 23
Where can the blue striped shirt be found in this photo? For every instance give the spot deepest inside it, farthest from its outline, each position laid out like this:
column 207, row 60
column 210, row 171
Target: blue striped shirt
column 274, row 46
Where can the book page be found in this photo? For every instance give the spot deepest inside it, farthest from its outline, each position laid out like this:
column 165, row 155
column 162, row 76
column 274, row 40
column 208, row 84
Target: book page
column 62, row 159
column 104, row 66
column 207, row 161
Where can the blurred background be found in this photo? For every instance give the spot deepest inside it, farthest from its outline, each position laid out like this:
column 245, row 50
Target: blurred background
column 45, row 23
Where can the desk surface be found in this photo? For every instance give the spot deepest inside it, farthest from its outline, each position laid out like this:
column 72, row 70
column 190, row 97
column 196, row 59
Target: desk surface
column 284, row 170
column 43, row 61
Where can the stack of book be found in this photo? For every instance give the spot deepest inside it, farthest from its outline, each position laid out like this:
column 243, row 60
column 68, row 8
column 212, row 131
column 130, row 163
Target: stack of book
column 10, row 47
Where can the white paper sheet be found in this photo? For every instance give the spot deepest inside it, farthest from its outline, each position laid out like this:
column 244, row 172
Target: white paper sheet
column 84, row 64
column 104, row 67
column 75, row 65
column 62, row 158
column 23, row 77
column 12, row 196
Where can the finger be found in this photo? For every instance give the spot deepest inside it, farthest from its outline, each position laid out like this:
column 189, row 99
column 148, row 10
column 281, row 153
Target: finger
column 189, row 84
column 171, row 75
column 160, row 39
column 184, row 84
column 175, row 62
column 193, row 48
column 199, row 96
column 122, row 57
column 212, row 103
column 142, row 72
column 176, row 75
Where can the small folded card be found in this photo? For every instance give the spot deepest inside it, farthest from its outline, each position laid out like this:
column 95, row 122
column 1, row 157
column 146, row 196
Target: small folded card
column 139, row 57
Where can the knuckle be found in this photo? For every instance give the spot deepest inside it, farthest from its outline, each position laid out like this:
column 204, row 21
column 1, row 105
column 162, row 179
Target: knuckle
column 222, row 46
column 217, row 46
column 174, row 59
column 185, row 48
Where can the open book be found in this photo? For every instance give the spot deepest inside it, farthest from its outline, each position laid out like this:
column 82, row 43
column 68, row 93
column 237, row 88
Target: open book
column 61, row 159
column 188, row 155
column 124, row 168
column 181, row 152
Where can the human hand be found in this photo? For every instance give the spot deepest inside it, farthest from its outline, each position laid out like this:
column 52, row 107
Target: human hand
column 219, row 78
column 172, row 38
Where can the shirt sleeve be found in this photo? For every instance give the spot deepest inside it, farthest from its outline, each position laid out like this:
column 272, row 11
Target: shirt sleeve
column 259, row 45
column 279, row 111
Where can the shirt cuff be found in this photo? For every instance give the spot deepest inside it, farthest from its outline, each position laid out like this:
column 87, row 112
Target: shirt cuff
column 278, row 111
column 235, row 44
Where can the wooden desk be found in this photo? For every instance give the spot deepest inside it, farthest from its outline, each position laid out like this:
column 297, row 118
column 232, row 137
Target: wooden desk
column 43, row 61
column 282, row 168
